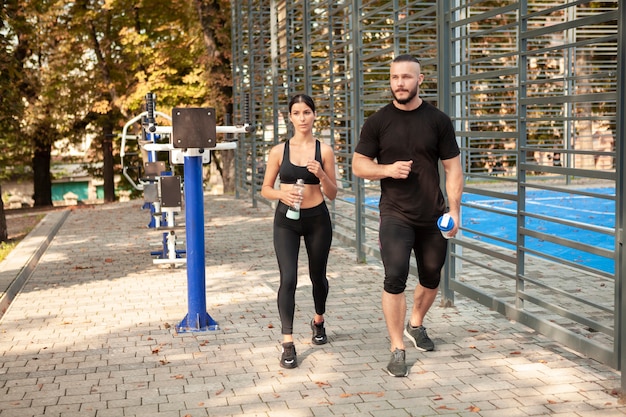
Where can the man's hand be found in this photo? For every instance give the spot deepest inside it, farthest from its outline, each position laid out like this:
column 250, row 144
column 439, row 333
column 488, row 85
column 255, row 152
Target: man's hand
column 399, row 169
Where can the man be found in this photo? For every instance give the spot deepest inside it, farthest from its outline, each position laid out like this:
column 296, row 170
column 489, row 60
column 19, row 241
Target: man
column 401, row 145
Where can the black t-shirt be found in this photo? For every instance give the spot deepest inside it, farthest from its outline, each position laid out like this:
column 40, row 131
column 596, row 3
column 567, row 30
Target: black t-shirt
column 424, row 135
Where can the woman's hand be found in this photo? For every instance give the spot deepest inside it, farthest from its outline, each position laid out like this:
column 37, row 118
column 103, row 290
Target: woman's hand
column 316, row 169
column 291, row 197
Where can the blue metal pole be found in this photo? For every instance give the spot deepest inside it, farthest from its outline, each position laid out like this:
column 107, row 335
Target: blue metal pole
column 197, row 318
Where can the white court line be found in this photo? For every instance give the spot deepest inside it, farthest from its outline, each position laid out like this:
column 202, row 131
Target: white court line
column 536, row 201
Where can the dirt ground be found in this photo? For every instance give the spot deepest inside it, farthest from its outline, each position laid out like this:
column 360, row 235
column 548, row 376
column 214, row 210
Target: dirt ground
column 21, row 222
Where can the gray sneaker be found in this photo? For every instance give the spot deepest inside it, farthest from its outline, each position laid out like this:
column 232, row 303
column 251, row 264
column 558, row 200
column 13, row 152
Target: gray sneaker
column 397, row 365
column 419, row 337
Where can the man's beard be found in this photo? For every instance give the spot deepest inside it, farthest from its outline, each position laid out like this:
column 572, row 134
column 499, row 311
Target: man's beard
column 412, row 95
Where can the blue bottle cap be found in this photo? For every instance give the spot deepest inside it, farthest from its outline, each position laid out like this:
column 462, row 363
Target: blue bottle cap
column 445, row 223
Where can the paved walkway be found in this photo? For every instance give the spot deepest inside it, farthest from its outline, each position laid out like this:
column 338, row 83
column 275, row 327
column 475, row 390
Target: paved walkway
column 91, row 333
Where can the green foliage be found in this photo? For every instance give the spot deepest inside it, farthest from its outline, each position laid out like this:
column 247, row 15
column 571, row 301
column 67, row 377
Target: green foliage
column 79, row 66
column 14, row 152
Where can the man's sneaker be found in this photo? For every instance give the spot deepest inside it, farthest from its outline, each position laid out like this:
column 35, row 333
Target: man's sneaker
column 397, row 364
column 288, row 358
column 419, row 337
column 319, row 333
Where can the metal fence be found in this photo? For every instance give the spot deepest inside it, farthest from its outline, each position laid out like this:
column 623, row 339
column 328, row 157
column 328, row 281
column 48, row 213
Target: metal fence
column 532, row 87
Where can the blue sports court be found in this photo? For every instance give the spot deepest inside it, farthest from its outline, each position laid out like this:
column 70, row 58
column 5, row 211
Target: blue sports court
column 497, row 218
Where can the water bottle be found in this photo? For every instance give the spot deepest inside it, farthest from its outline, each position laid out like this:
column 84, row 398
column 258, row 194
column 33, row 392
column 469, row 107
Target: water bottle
column 293, row 212
column 445, row 224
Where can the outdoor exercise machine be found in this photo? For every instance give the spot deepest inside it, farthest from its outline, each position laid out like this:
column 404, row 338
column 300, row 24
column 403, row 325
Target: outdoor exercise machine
column 189, row 139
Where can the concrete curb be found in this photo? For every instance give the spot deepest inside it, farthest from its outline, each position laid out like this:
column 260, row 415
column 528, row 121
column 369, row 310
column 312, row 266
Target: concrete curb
column 16, row 268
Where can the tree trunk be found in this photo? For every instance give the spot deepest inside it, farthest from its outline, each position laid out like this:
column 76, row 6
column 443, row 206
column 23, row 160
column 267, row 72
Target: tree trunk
column 4, row 231
column 228, row 171
column 228, row 158
column 42, row 178
column 107, row 156
column 214, row 16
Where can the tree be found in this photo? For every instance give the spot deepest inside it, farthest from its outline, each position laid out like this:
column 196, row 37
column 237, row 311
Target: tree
column 214, row 16
column 136, row 48
column 85, row 67
column 15, row 152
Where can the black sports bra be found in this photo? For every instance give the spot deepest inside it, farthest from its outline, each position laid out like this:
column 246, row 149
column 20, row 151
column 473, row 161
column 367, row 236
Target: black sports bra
column 289, row 172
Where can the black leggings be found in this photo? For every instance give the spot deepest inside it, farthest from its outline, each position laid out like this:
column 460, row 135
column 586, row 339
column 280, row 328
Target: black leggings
column 314, row 225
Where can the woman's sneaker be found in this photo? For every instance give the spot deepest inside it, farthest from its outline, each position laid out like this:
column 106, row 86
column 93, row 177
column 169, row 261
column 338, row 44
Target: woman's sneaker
column 319, row 333
column 288, row 358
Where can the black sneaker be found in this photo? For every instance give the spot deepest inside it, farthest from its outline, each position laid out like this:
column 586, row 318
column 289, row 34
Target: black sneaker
column 288, row 358
column 419, row 337
column 397, row 365
column 319, row 333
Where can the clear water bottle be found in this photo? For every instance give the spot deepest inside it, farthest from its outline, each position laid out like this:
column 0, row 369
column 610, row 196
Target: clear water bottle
column 293, row 212
column 445, row 224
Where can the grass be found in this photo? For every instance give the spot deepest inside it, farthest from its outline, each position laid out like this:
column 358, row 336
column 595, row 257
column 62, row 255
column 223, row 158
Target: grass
column 6, row 248
column 21, row 227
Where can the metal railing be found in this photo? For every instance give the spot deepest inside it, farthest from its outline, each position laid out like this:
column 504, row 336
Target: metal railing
column 532, row 89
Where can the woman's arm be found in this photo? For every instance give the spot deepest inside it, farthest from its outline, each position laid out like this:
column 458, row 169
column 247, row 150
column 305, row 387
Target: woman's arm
column 328, row 181
column 271, row 173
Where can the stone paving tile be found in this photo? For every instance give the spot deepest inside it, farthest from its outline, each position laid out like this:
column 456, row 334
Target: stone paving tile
column 92, row 333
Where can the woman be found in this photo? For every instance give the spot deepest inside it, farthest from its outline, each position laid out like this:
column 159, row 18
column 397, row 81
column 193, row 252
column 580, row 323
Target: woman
column 301, row 157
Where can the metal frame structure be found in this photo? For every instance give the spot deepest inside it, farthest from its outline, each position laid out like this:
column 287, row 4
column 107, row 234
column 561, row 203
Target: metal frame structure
column 534, row 88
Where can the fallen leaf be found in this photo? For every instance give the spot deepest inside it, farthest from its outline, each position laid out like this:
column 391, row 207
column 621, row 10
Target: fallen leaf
column 321, row 384
column 378, row 394
column 516, row 353
column 444, row 407
column 473, row 409
column 218, row 392
column 345, row 395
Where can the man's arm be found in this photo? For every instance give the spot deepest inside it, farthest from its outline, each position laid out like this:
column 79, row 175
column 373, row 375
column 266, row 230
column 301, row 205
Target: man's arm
column 454, row 187
column 366, row 168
